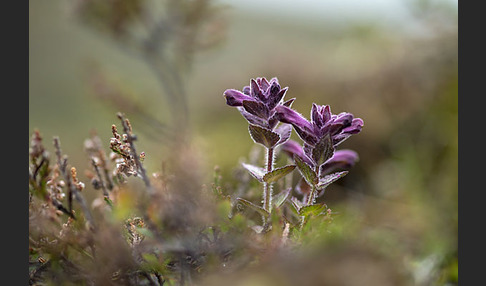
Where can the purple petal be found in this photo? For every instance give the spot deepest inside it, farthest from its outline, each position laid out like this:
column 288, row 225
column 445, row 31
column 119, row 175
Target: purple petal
column 302, row 127
column 246, row 90
column 355, row 127
column 342, row 160
column 326, row 113
column 292, row 148
column 273, row 79
column 287, row 115
column 344, row 118
column 235, row 97
column 337, row 124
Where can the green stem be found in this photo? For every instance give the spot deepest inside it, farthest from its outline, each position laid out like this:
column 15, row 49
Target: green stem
column 313, row 194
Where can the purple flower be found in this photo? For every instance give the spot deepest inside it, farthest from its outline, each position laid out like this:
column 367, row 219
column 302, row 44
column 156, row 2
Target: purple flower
column 342, row 160
column 292, row 148
column 257, row 102
column 339, row 127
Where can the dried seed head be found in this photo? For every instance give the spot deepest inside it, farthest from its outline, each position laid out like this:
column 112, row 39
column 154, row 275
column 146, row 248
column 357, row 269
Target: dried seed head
column 129, row 126
column 114, row 131
column 74, row 174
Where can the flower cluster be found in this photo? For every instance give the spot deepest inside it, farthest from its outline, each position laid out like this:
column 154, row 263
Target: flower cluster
column 261, row 104
column 258, row 101
column 322, row 133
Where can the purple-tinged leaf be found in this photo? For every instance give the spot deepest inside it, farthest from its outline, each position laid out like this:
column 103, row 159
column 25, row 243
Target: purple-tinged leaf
column 275, row 96
column 278, row 173
column 263, row 136
column 328, row 179
column 306, row 171
column 252, row 119
column 255, row 91
column 256, row 108
column 305, row 136
column 255, row 171
column 289, row 102
column 263, row 83
column 323, row 150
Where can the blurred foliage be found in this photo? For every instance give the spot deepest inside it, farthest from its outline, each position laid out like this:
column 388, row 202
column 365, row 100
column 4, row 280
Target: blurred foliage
column 394, row 216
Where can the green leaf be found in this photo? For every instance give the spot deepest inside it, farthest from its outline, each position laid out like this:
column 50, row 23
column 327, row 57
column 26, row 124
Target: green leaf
column 306, row 171
column 108, row 201
column 313, row 210
column 296, row 204
column 255, row 171
column 254, row 207
column 323, row 150
column 278, row 173
column 327, row 180
column 263, row 136
column 281, row 197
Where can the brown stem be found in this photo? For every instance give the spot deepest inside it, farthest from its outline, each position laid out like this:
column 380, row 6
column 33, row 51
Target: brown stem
column 100, row 179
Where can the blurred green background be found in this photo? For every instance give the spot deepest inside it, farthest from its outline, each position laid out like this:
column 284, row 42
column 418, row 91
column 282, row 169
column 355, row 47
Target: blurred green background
column 391, row 63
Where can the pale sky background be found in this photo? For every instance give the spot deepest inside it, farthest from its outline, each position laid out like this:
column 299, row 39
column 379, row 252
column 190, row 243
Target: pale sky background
column 393, row 11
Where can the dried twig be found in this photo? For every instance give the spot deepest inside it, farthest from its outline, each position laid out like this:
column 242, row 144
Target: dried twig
column 127, row 128
column 72, row 190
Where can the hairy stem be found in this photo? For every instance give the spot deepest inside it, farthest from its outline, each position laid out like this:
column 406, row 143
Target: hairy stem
column 267, row 187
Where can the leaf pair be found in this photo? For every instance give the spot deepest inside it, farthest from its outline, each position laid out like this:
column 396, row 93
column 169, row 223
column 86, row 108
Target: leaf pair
column 277, row 201
column 269, row 138
column 307, row 211
column 268, row 177
column 312, row 178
